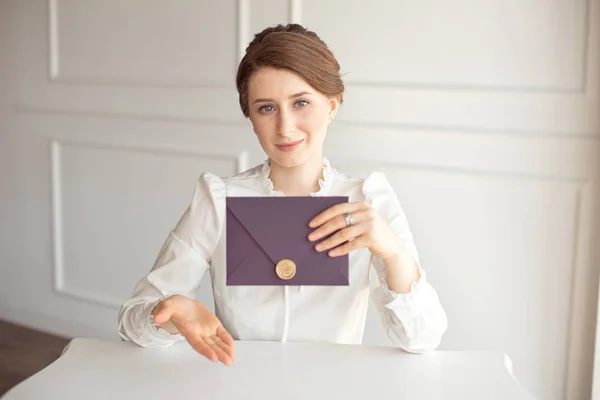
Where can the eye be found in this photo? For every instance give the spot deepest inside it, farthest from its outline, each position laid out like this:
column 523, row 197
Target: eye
column 301, row 103
column 266, row 108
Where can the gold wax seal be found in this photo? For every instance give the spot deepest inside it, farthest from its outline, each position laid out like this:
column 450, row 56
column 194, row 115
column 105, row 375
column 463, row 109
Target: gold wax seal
column 286, row 269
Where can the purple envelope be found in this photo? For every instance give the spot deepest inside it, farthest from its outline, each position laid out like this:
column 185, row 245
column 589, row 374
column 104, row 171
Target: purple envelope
column 262, row 231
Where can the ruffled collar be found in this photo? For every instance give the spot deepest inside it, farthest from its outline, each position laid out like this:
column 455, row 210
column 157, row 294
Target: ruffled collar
column 324, row 182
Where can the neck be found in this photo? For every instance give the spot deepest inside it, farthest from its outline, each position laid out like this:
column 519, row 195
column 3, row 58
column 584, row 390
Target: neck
column 297, row 181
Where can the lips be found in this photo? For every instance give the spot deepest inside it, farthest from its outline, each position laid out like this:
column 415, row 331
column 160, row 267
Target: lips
column 289, row 147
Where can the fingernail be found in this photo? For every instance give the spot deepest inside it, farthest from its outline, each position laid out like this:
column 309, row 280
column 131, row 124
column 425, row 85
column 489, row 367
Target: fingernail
column 318, row 247
column 332, row 253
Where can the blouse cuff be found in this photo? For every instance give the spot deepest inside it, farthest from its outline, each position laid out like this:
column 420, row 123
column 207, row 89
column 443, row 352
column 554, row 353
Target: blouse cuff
column 146, row 333
column 407, row 306
column 160, row 333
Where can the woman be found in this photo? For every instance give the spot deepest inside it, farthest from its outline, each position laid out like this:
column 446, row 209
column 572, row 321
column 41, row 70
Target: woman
column 290, row 88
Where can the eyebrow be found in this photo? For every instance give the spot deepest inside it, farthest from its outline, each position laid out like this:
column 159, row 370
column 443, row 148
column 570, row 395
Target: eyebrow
column 291, row 97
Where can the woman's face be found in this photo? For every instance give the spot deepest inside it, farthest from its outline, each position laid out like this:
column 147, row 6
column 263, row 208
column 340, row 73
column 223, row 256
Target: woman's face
column 289, row 116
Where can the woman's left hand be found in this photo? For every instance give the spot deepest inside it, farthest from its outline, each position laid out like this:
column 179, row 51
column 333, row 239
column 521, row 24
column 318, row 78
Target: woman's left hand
column 368, row 230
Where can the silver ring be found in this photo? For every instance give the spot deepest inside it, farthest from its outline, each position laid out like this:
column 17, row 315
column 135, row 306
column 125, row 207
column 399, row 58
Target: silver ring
column 348, row 218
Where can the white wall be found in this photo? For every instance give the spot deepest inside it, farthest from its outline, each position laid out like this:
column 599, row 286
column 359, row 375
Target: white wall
column 484, row 115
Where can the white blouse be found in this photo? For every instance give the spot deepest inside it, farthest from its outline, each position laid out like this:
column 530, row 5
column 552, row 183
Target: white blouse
column 414, row 321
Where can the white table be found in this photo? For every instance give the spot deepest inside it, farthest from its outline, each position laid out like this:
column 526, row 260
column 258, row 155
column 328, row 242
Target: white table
column 96, row 369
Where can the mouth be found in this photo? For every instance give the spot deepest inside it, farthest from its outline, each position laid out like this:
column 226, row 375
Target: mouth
column 289, row 147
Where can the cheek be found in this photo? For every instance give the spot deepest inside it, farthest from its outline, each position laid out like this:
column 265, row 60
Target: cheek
column 312, row 122
column 263, row 127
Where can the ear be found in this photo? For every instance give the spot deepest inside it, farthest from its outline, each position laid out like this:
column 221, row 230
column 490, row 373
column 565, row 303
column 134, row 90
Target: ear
column 334, row 104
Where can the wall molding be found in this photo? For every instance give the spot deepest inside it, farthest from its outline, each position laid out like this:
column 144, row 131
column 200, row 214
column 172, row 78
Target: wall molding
column 574, row 327
column 53, row 37
column 295, row 15
column 581, row 267
column 582, row 88
column 587, row 42
column 34, row 109
column 55, row 76
column 243, row 26
column 58, row 245
column 295, row 11
column 584, row 286
column 578, row 182
column 451, row 87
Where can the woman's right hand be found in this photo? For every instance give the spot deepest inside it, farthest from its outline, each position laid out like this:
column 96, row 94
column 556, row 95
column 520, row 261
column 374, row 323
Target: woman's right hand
column 198, row 325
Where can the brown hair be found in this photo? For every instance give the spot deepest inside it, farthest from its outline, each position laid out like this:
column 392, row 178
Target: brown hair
column 297, row 49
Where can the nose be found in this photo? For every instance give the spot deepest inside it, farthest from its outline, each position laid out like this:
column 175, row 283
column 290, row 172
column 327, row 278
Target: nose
column 286, row 125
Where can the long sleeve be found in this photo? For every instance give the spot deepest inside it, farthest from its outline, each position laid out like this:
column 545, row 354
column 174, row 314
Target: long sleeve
column 415, row 321
column 179, row 266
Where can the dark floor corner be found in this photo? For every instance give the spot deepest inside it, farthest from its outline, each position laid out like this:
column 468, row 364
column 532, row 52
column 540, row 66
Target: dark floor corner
column 24, row 351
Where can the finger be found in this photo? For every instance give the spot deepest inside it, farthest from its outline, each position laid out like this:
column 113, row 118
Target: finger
column 349, row 247
column 223, row 357
column 341, row 237
column 334, row 211
column 162, row 313
column 225, row 336
column 203, row 348
column 228, row 349
column 335, row 225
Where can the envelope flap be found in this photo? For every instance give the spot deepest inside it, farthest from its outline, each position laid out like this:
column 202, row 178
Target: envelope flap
column 280, row 224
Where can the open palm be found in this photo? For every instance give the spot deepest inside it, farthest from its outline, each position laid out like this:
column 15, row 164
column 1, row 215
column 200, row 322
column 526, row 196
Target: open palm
column 198, row 325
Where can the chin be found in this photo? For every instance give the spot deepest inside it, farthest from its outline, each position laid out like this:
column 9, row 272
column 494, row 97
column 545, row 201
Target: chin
column 289, row 160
